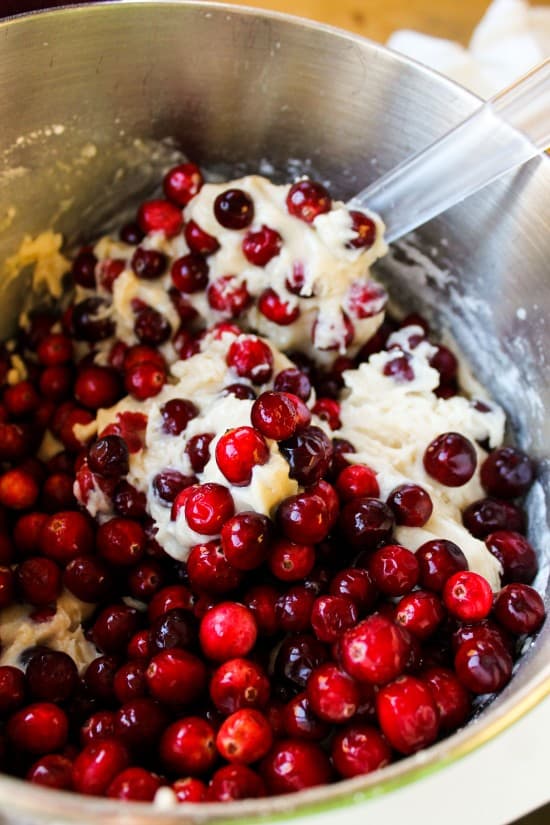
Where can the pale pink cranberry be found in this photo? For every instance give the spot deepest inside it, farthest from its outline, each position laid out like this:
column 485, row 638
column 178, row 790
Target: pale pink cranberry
column 276, row 309
column 279, row 415
column 38, row 728
column 411, row 505
column 190, row 273
column 507, row 473
column 364, row 229
column 209, row 571
column 251, row 358
column 438, row 560
column 306, row 199
column 357, row 481
column 182, row 183
column 487, row 515
column 227, row 631
column 483, row 666
column 229, row 295
column 176, row 677
column 452, row 699
column 244, row 737
column 407, row 714
column 358, row 750
column 420, row 612
column 334, row 696
column 148, row 264
column 365, row 299
column 246, row 540
column 239, row 683
column 468, row 596
column 519, row 609
column 160, row 216
column 188, row 746
column 328, row 409
column 366, row 522
column 144, row 381
column 304, row 518
column 198, row 240
column 208, row 507
column 516, row 555
column 261, row 246
column 189, row 789
column 135, row 785
column 121, row 541
column 232, row 782
column 293, row 765
column 375, row 651
column 289, row 561
column 450, row 459
column 234, row 209
column 52, row 771
column 394, row 569
column 238, row 451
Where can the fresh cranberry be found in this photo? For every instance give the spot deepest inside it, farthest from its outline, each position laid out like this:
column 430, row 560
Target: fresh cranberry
column 306, row 199
column 139, row 723
column 411, row 505
column 451, row 698
column 188, row 746
column 483, row 666
column 131, row 233
column 99, row 678
column 100, row 725
column 83, row 269
column 244, row 737
column 198, row 451
column 227, row 631
column 407, row 714
column 182, row 183
column 308, row 453
column 169, row 598
column 304, row 518
column 445, row 362
column 364, row 229
column 239, row 683
column 141, row 354
column 297, row 657
column 144, row 381
column 130, row 681
column 262, row 601
column 209, row 571
column 208, row 507
column 279, row 415
column 14, row 443
column 487, row 515
column 52, row 771
column 357, row 585
column 51, row 676
column 159, row 216
column 151, row 327
column 189, row 790
column 57, row 493
column 374, row 651
column 67, row 435
column 96, row 766
column 261, row 246
column 366, row 522
column 114, row 627
column 121, row 541
column 20, row 399
column 139, row 647
column 241, row 391
column 293, row 765
column 129, row 502
column 516, row 555
column 176, row 677
column 18, row 489
column 7, row 586
column 358, row 750
column 485, row 631
column 175, row 628
column 450, row 459
column 148, row 264
column 293, row 381
column 56, row 383
column 134, row 784
column 289, row 561
column 12, row 689
column 357, row 481
column 176, row 415
column 198, row 240
column 507, row 473
column 276, row 309
column 190, row 273
column 246, row 540
column 27, row 531
column 39, row 728
column 420, row 612
column 519, row 609
column 293, row 609
column 438, row 560
column 169, row 483
column 334, row 696
column 109, row 457
column 332, row 615
column 87, row 578
column 328, row 409
column 394, row 569
column 97, row 387
column 39, row 581
column 238, row 451
column 232, row 782
column 228, row 295
column 399, row 368
column 251, row 358
column 91, row 320
column 468, row 596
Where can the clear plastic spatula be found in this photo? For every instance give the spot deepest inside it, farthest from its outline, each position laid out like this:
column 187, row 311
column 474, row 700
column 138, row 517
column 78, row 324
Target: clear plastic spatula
column 501, row 135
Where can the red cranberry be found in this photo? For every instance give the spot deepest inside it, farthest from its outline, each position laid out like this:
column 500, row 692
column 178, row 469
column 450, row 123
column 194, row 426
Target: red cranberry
column 87, row 578
column 109, row 457
column 468, row 596
column 109, row 270
column 114, row 627
column 276, row 309
column 159, row 216
column 239, row 683
column 293, row 765
column 148, row 264
column 293, row 381
column 332, row 615
column 18, row 489
column 169, row 483
column 229, row 295
column 334, row 696
column 189, row 790
column 66, row 535
column 96, row 766
column 279, row 415
column 304, row 518
column 357, row 585
column 308, row 453
column 151, row 328
column 175, row 628
column 420, row 613
column 251, row 358
column 451, row 698
column 188, row 746
column 100, row 725
column 182, row 183
column 7, row 586
column 176, row 415
column 190, row 273
column 306, row 199
column 300, row 721
column 293, row 609
column 134, row 784
column 52, row 771
column 176, row 677
column 121, row 541
column 366, row 523
column 234, row 209
column 209, row 571
column 227, row 631
column 358, row 750
column 246, row 540
column 57, row 492
column 516, row 555
column 262, row 600
column 12, row 689
column 20, row 399
column 407, row 714
column 291, row 562
column 208, row 507
column 198, row 451
column 411, row 505
column 83, row 269
column 519, row 608
column 56, row 383
column 238, row 451
column 327, row 409
column 487, row 515
column 507, row 473
column 169, row 598
column 297, row 657
column 99, row 678
column 129, row 502
column 399, row 368
column 39, row 581
column 233, row 782
column 374, row 651
column 244, row 737
column 364, row 229
column 51, row 676
column 97, row 387
column 450, row 459
column 357, row 481
column 67, row 436
column 394, row 569
column 130, row 681
column 91, row 320
column 139, row 723
column 261, row 246
column 445, row 362
column 483, row 666
column 241, row 391
column 39, row 728
column 14, row 443
column 438, row 560
column 198, row 240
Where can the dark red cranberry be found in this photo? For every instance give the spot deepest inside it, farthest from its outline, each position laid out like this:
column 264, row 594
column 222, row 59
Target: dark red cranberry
column 129, row 502
column 300, row 721
column 14, row 442
column 487, row 515
column 188, row 746
column 366, row 523
column 151, row 328
column 39, row 581
column 238, row 451
column 364, row 231
column 52, row 771
column 176, row 415
column 332, row 615
column 96, row 766
column 97, row 387
column 131, row 233
column 169, row 598
column 7, row 586
column 121, row 541
column 176, row 677
column 246, row 540
column 87, row 578
column 306, row 199
column 51, row 676
column 394, row 569
column 234, row 209
column 182, row 183
column 293, row 609
column 190, row 273
column 293, row 765
column 198, row 240
column 148, row 264
column 57, row 492
column 519, row 609
column 20, row 399
column 328, row 409
column 308, row 453
column 12, row 689
column 304, row 518
column 294, row 381
column 39, row 728
column 407, row 714
column 91, row 320
column 244, row 737
column 134, row 784
column 109, row 457
column 141, row 354
column 452, row 699
column 507, row 473
column 228, row 295
column 297, row 657
column 159, row 216
column 358, row 750
column 241, row 391
column 468, row 596
column 445, row 362
column 516, row 555
column 261, row 246
column 109, row 270
column 450, row 459
column 232, row 782
column 227, row 631
column 291, row 562
column 420, row 612
column 262, row 601
column 198, row 451
column 144, row 381
column 99, row 677
column 438, row 560
column 357, row 585
column 100, row 725
column 375, row 651
column 56, row 383
column 114, row 627
column 279, row 415
column 130, row 681
column 55, row 350
column 273, row 307
column 209, row 571
column 139, row 723
column 485, row 631
column 239, row 683
column 399, row 368
column 169, row 483
column 483, row 666
column 83, row 269
column 411, row 505
column 175, row 628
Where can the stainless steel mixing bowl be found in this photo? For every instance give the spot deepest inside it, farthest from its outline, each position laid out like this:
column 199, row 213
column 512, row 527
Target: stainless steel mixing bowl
column 87, row 94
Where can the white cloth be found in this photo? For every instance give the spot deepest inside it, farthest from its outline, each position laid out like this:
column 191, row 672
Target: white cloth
column 511, row 38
